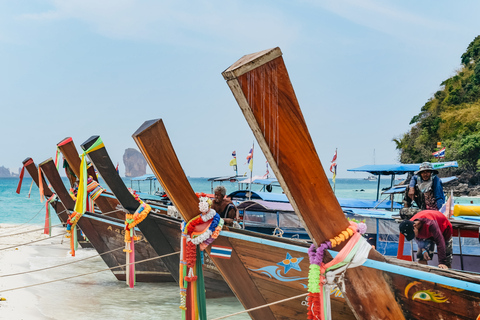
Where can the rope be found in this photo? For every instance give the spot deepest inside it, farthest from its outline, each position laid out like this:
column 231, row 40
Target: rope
column 263, row 306
column 86, row 274
column 33, row 230
column 27, row 243
column 63, row 264
column 56, row 225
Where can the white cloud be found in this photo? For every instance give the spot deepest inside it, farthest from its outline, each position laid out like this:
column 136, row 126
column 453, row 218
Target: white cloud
column 386, row 17
column 188, row 23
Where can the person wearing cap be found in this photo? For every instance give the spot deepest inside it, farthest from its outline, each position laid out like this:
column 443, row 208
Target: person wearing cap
column 425, row 189
column 430, row 228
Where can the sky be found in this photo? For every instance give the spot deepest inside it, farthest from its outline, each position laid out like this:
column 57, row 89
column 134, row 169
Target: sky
column 360, row 69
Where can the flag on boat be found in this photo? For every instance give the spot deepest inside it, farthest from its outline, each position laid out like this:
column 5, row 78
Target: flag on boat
column 221, row 252
column 233, row 162
column 440, row 153
column 266, row 173
column 333, row 166
column 250, row 159
column 116, row 168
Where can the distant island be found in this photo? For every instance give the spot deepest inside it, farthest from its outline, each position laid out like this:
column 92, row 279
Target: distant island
column 5, row 173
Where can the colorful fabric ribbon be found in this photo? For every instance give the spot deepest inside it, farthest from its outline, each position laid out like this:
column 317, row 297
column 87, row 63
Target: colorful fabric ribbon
column 131, row 221
column 192, row 288
column 81, row 201
column 321, row 275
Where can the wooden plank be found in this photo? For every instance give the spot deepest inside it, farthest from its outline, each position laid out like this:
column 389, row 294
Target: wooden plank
column 262, row 88
column 166, row 167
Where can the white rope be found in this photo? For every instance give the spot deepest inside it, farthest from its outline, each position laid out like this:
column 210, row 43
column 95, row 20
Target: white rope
column 64, row 264
column 34, row 241
column 262, row 306
column 86, row 274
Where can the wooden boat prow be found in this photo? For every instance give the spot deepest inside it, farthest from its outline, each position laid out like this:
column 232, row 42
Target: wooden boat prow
column 181, row 193
column 251, row 61
column 267, row 99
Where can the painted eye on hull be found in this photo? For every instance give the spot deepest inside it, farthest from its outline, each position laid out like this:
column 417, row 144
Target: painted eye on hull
column 286, row 261
column 427, row 295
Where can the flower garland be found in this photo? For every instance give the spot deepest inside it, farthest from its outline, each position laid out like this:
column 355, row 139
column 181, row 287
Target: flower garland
column 317, row 270
column 131, row 221
column 192, row 295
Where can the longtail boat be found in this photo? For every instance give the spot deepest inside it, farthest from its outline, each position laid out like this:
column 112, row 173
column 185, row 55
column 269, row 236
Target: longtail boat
column 398, row 290
column 106, row 234
column 261, row 269
column 161, row 231
column 58, row 207
column 108, row 205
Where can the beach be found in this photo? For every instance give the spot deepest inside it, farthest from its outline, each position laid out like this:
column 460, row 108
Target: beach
column 86, row 294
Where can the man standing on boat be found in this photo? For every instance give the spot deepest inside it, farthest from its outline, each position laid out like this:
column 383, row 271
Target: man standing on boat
column 224, row 206
column 425, row 189
column 430, row 228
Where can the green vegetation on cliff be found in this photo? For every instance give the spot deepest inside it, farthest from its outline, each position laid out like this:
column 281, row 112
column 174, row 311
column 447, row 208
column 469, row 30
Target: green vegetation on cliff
column 451, row 116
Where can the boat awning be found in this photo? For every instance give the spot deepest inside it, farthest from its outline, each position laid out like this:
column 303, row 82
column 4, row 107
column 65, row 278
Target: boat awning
column 144, row 177
column 401, row 189
column 367, row 204
column 224, row 178
column 260, row 205
column 390, row 169
column 266, row 196
column 370, row 213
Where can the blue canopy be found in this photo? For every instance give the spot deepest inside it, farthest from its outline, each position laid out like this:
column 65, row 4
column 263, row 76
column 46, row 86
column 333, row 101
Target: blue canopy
column 257, row 195
column 367, row 204
column 401, row 188
column 389, row 169
column 144, row 177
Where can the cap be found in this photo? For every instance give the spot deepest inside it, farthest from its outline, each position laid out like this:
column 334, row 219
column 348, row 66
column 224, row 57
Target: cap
column 426, row 166
column 406, row 228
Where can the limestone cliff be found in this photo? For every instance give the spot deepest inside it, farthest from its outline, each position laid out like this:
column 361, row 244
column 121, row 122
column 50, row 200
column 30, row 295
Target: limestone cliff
column 135, row 164
column 4, row 172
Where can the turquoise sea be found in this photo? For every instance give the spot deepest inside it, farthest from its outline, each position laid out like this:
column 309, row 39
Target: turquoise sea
column 96, row 295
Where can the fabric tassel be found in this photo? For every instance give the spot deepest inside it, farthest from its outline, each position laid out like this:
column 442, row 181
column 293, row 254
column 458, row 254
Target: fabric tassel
column 21, row 180
column 46, row 229
column 72, row 240
column 131, row 266
column 201, row 298
column 30, row 191
column 40, row 184
column 127, row 261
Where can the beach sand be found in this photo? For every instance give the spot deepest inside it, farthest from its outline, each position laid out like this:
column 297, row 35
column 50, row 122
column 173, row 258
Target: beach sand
column 94, row 296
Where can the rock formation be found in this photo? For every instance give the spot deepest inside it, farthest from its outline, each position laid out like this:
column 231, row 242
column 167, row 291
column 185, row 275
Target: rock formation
column 135, row 163
column 4, row 172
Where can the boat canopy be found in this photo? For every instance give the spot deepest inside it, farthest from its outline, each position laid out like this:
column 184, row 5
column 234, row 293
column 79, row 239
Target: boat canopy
column 258, row 195
column 144, row 177
column 260, row 205
column 401, row 188
column 368, row 204
column 391, row 169
column 225, row 178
